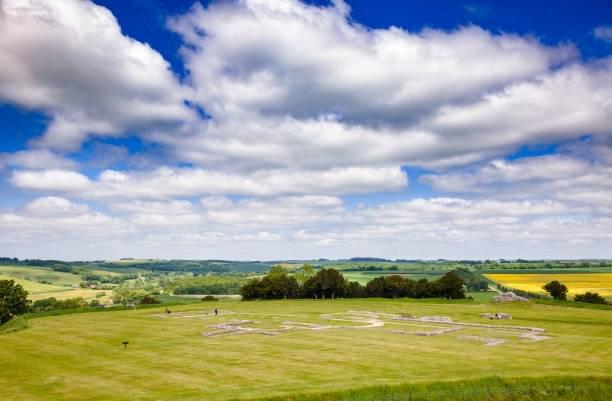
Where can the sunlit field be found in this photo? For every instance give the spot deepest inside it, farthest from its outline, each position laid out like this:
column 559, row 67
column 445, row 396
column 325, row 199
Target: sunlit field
column 283, row 348
column 43, row 283
column 577, row 283
column 363, row 277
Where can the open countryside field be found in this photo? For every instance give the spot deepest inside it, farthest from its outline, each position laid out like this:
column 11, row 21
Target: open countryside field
column 364, row 277
column 41, row 282
column 41, row 291
column 34, row 287
column 85, row 293
column 38, row 274
column 278, row 348
column 576, row 282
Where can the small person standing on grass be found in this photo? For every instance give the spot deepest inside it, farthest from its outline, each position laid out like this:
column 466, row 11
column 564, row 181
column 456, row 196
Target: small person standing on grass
column 216, row 312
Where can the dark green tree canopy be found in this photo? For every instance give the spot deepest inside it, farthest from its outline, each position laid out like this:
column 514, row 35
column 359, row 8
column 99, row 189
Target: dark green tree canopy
column 450, row 286
column 13, row 300
column 556, row 290
column 327, row 283
column 277, row 284
column 395, row 286
column 376, row 287
column 330, row 283
column 590, row 297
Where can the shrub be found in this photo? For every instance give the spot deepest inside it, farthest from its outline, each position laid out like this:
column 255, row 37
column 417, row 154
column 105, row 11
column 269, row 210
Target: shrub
column 49, row 304
column 590, row 297
column 149, row 300
column 43, row 304
column 209, row 298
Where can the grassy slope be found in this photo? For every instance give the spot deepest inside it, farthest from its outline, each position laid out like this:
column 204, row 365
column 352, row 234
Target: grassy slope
column 34, row 287
column 40, row 273
column 16, row 324
column 65, row 357
column 61, row 283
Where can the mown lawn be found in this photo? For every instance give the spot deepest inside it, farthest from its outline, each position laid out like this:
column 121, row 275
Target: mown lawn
column 81, row 356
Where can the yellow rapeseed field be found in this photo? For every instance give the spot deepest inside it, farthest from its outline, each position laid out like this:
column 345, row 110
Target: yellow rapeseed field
column 577, row 283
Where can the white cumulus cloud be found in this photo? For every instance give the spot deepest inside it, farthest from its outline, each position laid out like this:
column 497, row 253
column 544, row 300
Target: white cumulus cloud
column 70, row 59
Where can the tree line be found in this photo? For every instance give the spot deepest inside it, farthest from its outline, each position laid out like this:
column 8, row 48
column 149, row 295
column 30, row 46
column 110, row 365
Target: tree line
column 330, row 284
column 206, row 285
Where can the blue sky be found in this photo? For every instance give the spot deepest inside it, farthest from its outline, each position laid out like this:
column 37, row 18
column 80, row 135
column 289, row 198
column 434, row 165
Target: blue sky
column 285, row 129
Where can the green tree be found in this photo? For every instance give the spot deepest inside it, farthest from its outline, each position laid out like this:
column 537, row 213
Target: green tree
column 304, row 273
column 556, row 290
column 277, row 270
column 252, row 289
column 13, row 300
column 43, row 305
column 277, row 284
column 376, row 287
column 354, row 290
column 590, row 297
column 395, row 286
column 149, row 300
column 450, row 286
column 327, row 283
column 422, row 289
column 212, row 284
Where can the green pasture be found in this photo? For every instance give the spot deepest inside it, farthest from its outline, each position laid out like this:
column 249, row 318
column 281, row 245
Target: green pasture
column 38, row 274
column 34, row 287
column 81, row 356
column 42, row 282
column 363, row 277
column 391, row 266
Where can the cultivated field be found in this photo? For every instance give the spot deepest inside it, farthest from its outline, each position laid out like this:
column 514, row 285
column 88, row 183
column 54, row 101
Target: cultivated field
column 576, row 282
column 38, row 274
column 278, row 348
column 43, row 283
column 363, row 277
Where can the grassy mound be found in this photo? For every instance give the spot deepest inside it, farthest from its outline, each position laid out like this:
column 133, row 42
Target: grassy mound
column 16, row 324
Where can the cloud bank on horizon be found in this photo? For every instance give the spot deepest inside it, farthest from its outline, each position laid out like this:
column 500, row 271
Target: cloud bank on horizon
column 297, row 132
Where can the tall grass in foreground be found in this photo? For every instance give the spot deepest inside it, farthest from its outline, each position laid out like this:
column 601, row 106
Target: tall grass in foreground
column 489, row 389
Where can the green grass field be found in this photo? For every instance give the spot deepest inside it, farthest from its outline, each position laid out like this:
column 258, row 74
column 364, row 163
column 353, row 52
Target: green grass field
column 363, row 277
column 34, row 287
column 58, row 285
column 38, row 274
column 81, row 356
